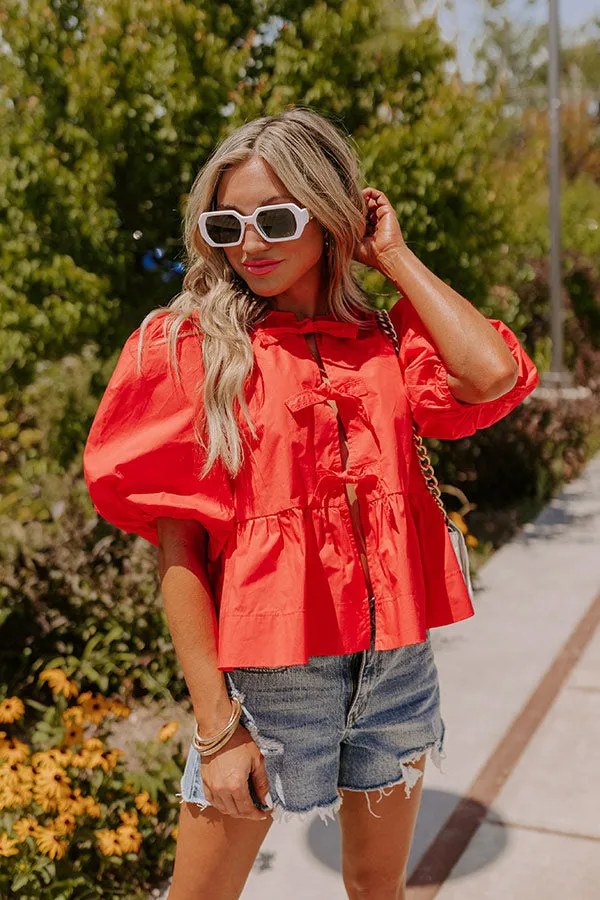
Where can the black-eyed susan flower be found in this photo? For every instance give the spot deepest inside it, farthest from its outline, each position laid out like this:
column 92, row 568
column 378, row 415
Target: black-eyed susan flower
column 16, row 775
column 50, row 843
column 94, row 706
column 167, row 731
column 65, row 823
column 129, row 838
column 175, row 832
column 11, row 709
column 108, row 842
column 118, row 709
column 112, row 757
column 8, row 846
column 54, row 758
column 26, row 827
column 73, row 735
column 92, row 808
column 54, row 783
column 14, row 751
column 73, row 803
column 129, row 817
column 59, row 683
column 146, row 806
column 471, row 540
column 73, row 715
column 15, row 798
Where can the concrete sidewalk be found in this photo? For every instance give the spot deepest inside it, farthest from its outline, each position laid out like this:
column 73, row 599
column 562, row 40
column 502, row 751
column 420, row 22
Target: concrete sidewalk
column 520, row 685
column 542, row 834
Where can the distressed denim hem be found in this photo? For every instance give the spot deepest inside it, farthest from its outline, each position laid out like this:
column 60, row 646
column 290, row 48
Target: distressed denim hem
column 410, row 774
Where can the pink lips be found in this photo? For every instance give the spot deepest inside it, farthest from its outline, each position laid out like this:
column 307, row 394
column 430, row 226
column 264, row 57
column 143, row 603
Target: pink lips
column 262, row 268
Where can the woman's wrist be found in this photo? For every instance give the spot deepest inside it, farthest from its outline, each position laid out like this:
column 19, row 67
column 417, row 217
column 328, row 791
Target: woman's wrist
column 211, row 721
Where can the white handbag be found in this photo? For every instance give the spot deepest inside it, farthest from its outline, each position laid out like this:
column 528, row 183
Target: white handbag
column 456, row 536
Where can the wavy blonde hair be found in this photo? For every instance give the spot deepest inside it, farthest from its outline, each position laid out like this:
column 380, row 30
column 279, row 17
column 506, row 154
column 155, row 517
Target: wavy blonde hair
column 319, row 167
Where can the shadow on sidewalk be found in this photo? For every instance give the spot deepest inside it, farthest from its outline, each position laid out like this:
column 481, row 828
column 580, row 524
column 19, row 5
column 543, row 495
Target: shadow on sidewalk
column 324, row 838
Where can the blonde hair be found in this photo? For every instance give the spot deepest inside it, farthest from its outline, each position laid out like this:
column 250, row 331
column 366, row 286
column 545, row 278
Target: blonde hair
column 319, row 167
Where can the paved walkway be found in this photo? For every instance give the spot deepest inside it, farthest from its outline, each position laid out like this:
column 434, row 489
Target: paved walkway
column 516, row 813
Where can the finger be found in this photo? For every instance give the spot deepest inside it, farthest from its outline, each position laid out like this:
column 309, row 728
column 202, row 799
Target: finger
column 246, row 808
column 221, row 800
column 260, row 779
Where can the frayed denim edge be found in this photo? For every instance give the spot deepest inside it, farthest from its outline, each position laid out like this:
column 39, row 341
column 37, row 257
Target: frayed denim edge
column 410, row 773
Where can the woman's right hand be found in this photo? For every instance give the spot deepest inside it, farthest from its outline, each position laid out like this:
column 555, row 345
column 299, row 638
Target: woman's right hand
column 225, row 777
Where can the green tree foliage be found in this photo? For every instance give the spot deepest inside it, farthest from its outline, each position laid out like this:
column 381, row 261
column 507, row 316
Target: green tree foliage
column 109, row 109
column 106, row 110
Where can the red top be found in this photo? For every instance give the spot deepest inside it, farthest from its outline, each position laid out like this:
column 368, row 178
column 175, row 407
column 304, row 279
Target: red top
column 284, row 552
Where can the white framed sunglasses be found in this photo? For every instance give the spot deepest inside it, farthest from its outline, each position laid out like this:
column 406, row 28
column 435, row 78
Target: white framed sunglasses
column 279, row 222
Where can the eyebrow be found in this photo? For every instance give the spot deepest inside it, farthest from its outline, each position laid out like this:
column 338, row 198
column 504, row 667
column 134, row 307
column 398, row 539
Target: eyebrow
column 264, row 202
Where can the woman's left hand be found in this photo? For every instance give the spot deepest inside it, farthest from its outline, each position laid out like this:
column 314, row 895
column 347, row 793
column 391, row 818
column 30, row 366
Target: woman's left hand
column 382, row 236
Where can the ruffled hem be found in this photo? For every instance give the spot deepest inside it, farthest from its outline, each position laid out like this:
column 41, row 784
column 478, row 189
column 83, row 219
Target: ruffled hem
column 306, row 594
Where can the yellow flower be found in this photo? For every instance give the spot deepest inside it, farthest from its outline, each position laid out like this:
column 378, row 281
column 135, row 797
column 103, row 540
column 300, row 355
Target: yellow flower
column 94, row 707
column 72, row 803
column 174, row 832
column 91, row 807
column 8, row 846
column 89, row 760
column 15, row 776
column 26, row 827
column 73, row 735
column 14, row 751
column 47, row 803
column 458, row 520
column 119, row 709
column 73, row 715
column 11, row 709
column 129, row 838
column 53, row 783
column 167, row 731
column 108, row 842
column 112, row 757
column 129, row 818
column 146, row 806
column 50, row 843
column 65, row 823
column 52, row 759
column 59, row 683
column 471, row 540
column 10, row 798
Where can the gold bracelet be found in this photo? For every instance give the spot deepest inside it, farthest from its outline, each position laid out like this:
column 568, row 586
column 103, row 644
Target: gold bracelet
column 203, row 744
column 205, row 750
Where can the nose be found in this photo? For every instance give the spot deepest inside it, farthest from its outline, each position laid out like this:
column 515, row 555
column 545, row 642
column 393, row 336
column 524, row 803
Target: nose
column 253, row 240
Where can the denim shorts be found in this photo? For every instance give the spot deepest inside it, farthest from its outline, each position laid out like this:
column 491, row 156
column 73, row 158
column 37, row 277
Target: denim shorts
column 353, row 722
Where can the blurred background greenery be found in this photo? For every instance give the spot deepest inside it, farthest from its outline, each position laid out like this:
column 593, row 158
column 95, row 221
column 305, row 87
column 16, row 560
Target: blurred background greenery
column 108, row 110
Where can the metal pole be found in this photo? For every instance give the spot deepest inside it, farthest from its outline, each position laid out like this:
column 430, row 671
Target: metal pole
column 557, row 373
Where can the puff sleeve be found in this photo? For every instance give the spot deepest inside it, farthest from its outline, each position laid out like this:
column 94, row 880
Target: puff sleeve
column 141, row 460
column 437, row 412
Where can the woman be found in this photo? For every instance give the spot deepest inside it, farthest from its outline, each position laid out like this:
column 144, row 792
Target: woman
column 258, row 431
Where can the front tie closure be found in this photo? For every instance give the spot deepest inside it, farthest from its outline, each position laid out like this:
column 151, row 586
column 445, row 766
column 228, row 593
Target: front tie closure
column 365, row 476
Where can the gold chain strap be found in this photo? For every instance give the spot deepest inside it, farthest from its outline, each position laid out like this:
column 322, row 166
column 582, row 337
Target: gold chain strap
column 431, row 481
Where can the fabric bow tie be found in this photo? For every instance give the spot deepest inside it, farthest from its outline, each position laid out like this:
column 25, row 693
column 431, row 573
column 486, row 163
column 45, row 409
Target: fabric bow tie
column 334, row 327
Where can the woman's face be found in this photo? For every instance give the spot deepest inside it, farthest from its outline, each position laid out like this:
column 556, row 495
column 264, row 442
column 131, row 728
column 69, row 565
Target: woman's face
column 299, row 275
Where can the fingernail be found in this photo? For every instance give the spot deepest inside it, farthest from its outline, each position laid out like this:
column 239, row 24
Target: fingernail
column 269, row 800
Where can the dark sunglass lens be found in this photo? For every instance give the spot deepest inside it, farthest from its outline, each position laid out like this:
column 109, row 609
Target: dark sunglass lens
column 223, row 229
column 276, row 223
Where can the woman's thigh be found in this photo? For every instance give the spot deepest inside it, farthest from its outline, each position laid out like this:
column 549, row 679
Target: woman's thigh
column 215, row 853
